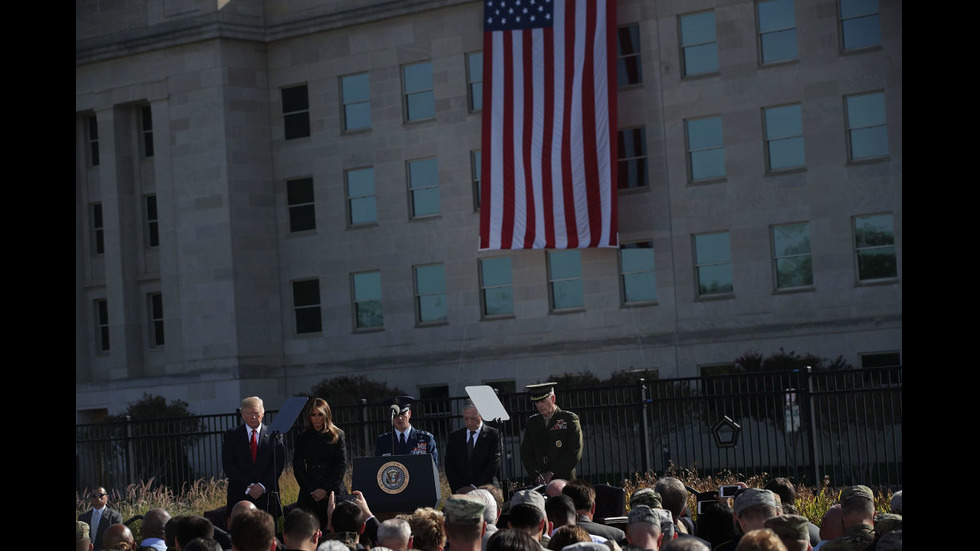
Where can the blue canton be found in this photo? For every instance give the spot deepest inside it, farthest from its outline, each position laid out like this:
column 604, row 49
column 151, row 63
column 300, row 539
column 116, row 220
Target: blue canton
column 517, row 15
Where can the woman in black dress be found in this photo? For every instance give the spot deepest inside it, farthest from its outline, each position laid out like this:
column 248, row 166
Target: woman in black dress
column 320, row 461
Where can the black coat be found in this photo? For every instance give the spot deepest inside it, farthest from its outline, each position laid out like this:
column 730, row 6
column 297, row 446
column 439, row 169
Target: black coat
column 482, row 467
column 236, row 459
column 319, row 463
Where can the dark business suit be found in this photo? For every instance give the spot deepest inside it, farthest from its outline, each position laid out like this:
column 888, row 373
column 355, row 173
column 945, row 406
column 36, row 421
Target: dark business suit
column 596, row 529
column 109, row 517
column 482, row 467
column 236, row 459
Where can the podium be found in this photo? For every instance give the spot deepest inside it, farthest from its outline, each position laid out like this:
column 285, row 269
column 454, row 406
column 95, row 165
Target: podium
column 397, row 483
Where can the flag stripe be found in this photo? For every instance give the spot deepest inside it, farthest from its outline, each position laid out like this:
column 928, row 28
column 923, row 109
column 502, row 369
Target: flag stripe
column 549, row 172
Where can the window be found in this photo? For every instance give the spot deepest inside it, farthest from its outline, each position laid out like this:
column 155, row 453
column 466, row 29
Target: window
column 93, row 140
column 423, row 185
column 867, row 130
column 474, row 80
column 361, row 202
column 792, row 264
column 628, row 69
column 430, row 293
column 152, row 221
column 146, row 129
column 705, row 148
column 306, row 306
column 102, row 325
column 475, row 174
column 874, row 244
column 859, row 25
column 638, row 283
column 784, row 137
column 368, row 312
column 299, row 202
column 565, row 279
column 632, row 157
column 714, row 263
column 296, row 112
column 698, row 46
column 355, row 91
column 156, row 319
column 98, row 233
column 777, row 30
column 419, row 95
column 496, row 289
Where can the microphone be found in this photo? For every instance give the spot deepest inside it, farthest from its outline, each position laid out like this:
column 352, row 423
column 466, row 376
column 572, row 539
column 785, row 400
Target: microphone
column 395, row 410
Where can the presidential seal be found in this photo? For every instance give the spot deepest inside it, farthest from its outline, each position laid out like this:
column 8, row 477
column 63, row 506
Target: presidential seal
column 392, row 477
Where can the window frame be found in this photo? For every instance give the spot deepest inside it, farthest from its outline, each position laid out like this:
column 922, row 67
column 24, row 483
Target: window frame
column 842, row 28
column 760, row 34
column 691, row 151
column 709, row 264
column 685, row 46
column 474, row 83
column 300, row 211
column 492, row 287
column 299, row 309
column 346, row 103
column 554, row 279
column 146, row 131
column 157, row 336
column 421, row 295
column 634, row 56
column 476, row 177
column 92, row 139
column 296, row 114
column 873, row 248
column 355, row 302
column 777, row 257
column 851, row 128
column 625, row 162
column 151, row 218
column 425, row 186
column 770, row 140
column 102, row 342
column 350, row 199
column 624, row 299
column 98, row 228
column 408, row 94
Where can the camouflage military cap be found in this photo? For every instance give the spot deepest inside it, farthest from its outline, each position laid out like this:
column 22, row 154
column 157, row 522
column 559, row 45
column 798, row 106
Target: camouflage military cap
column 790, row 527
column 751, row 497
column 463, row 509
column 81, row 530
column 643, row 513
column 648, row 497
column 856, row 491
column 886, row 522
column 856, row 539
column 892, row 541
column 528, row 496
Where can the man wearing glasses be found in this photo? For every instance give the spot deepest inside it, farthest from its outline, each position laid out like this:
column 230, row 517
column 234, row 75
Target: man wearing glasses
column 100, row 516
column 253, row 460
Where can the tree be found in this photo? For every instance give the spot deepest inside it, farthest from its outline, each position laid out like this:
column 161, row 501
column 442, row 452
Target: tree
column 347, row 390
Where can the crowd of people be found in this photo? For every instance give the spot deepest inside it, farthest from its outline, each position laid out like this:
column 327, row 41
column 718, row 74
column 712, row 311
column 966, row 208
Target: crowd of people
column 558, row 513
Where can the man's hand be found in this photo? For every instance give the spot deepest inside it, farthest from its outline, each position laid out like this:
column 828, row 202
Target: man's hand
column 331, row 505
column 255, row 491
column 362, row 504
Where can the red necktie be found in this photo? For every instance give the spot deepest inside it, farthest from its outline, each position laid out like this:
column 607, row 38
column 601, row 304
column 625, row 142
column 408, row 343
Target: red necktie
column 254, row 445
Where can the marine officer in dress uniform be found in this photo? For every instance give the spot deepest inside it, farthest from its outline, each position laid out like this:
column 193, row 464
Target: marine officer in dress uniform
column 407, row 439
column 552, row 445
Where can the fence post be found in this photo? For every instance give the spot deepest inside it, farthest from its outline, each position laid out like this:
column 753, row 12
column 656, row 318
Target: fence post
column 812, row 429
column 645, row 435
column 364, row 423
column 130, row 455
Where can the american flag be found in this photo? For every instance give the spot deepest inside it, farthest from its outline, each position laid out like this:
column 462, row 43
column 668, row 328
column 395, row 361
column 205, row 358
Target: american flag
column 549, row 138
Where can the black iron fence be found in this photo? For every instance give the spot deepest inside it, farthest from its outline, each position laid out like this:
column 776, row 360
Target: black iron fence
column 846, row 425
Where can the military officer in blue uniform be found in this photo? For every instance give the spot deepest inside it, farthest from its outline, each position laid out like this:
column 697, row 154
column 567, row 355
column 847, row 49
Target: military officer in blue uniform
column 407, row 439
column 552, row 445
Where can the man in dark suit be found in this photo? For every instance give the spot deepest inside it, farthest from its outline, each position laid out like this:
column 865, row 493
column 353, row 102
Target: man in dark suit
column 472, row 453
column 100, row 517
column 253, row 460
column 407, row 440
column 583, row 497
